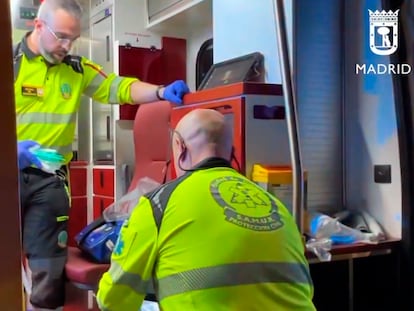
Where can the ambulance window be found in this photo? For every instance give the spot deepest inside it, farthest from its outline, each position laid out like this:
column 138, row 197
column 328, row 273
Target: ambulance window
column 204, row 61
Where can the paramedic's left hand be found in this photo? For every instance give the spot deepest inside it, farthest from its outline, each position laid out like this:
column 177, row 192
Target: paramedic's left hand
column 24, row 155
column 175, row 91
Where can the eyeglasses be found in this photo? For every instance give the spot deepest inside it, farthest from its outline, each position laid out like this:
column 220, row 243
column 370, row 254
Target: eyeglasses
column 60, row 40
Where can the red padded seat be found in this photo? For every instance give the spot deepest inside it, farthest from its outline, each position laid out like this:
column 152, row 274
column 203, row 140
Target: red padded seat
column 152, row 151
column 81, row 271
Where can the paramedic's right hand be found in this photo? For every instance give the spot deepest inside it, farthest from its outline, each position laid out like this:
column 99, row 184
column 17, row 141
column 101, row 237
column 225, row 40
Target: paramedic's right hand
column 24, row 156
column 175, row 91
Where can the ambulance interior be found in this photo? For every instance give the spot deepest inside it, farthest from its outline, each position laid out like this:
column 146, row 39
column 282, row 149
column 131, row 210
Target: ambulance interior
column 349, row 134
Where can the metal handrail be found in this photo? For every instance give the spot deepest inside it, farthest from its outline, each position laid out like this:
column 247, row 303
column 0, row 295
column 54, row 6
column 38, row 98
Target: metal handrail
column 298, row 205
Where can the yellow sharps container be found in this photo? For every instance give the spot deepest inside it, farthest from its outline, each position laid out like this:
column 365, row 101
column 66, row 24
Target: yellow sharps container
column 278, row 180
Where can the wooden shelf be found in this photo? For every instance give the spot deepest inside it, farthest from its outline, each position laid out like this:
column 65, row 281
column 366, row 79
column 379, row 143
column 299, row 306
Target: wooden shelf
column 357, row 250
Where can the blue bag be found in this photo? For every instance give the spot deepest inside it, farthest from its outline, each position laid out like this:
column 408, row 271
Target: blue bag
column 97, row 240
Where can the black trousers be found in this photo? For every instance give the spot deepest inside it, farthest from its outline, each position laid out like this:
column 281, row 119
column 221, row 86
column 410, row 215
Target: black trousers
column 45, row 203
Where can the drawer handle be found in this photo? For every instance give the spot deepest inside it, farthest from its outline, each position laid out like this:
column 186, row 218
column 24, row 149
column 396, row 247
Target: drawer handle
column 101, row 179
column 108, row 128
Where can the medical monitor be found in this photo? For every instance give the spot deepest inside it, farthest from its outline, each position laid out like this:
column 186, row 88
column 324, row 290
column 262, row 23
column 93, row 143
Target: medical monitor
column 245, row 68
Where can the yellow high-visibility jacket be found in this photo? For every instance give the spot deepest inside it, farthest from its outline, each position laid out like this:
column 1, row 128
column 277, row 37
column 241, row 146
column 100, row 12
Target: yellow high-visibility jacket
column 212, row 241
column 48, row 97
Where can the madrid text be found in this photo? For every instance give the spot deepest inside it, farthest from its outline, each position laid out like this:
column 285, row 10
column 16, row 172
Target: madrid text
column 383, row 69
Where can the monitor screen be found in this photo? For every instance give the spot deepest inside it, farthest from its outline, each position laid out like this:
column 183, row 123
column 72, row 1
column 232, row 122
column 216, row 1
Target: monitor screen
column 244, row 68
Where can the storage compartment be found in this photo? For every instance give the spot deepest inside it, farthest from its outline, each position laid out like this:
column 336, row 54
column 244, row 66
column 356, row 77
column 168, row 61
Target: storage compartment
column 99, row 204
column 156, row 66
column 158, row 6
column 77, row 218
column 102, row 114
column 139, row 54
column 179, row 12
column 103, row 181
column 77, row 177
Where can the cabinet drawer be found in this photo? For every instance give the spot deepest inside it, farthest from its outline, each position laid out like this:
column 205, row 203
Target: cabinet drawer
column 103, row 181
column 77, row 181
column 99, row 204
column 77, row 218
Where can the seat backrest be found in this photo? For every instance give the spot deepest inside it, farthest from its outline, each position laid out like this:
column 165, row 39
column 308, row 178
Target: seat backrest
column 152, row 142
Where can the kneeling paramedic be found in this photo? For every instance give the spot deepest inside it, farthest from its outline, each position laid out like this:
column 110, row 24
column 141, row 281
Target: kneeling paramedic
column 48, row 86
column 211, row 239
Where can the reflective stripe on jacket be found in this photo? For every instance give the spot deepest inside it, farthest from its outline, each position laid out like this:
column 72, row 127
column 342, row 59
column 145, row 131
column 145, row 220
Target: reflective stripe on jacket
column 212, row 240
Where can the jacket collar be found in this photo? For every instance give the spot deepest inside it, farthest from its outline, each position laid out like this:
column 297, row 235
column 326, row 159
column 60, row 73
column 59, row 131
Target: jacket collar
column 211, row 163
column 25, row 48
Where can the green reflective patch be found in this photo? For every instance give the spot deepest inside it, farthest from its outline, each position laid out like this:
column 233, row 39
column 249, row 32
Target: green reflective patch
column 62, row 218
column 63, row 239
column 66, row 90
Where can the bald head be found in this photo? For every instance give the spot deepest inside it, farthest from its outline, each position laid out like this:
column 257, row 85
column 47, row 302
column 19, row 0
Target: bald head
column 200, row 134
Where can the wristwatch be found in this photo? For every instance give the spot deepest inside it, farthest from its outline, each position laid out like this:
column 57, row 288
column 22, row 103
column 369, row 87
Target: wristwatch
column 157, row 92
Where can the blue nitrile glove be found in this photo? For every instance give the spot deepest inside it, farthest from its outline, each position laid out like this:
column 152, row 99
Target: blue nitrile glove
column 175, row 91
column 25, row 157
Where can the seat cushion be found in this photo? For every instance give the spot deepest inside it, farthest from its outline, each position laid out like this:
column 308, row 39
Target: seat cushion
column 152, row 142
column 83, row 271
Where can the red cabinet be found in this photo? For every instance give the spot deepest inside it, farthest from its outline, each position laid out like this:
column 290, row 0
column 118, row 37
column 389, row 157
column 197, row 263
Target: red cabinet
column 153, row 66
column 103, row 181
column 78, row 218
column 103, row 189
column 99, row 204
column 77, row 179
column 78, row 213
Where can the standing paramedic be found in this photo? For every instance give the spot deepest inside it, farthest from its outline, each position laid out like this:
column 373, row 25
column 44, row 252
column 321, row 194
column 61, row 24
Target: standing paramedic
column 48, row 85
column 212, row 240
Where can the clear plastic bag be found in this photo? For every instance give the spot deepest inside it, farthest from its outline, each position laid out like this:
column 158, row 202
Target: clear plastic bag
column 122, row 209
column 323, row 226
column 321, row 248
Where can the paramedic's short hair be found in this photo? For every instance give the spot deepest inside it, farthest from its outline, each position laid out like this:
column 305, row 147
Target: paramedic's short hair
column 49, row 6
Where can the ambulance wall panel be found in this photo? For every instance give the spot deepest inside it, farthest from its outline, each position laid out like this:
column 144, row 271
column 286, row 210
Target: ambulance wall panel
column 371, row 136
column 318, row 78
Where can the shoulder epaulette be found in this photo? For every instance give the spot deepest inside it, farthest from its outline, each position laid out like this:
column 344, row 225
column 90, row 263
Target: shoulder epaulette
column 75, row 62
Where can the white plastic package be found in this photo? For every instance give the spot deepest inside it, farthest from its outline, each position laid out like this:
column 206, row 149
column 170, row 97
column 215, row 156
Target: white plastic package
column 321, row 248
column 122, row 209
column 149, row 306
